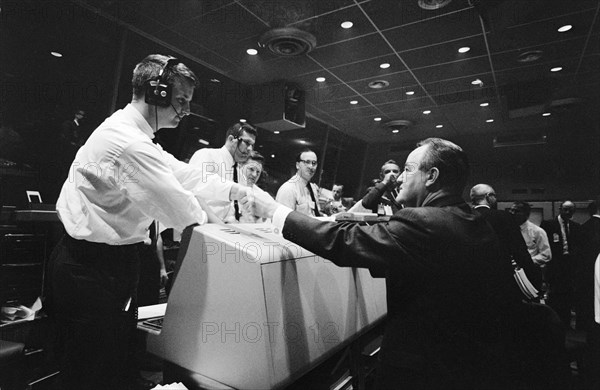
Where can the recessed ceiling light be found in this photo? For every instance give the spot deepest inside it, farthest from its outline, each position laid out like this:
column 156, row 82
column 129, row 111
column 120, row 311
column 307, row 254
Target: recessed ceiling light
column 378, row 119
column 276, row 132
column 56, row 54
column 427, row 112
column 464, row 49
column 302, row 141
column 272, row 156
column 556, row 69
column 347, row 24
column 354, row 102
column 565, row 28
column 320, row 79
column 395, row 131
column 484, row 104
column 477, row 82
column 252, row 52
column 410, row 92
column 385, row 65
column 203, row 142
column 489, row 120
column 439, row 126
column 215, row 80
column 546, row 114
column 242, row 120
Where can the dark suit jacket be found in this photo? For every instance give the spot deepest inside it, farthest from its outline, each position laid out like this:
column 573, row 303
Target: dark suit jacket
column 512, row 242
column 446, row 282
column 558, row 268
column 379, row 194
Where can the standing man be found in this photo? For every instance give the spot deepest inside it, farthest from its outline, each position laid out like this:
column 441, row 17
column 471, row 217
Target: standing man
column 485, row 203
column 444, row 303
column 298, row 193
column 118, row 183
column 590, row 249
column 563, row 234
column 226, row 163
column 71, row 132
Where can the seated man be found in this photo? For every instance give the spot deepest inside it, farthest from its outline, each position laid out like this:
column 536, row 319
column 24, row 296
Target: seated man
column 335, row 204
column 381, row 197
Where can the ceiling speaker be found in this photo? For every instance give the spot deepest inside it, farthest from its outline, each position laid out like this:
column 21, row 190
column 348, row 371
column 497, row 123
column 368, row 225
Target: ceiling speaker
column 288, row 41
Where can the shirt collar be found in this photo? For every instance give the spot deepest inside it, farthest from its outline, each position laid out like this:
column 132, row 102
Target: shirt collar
column 139, row 120
column 300, row 179
column 227, row 156
column 482, row 206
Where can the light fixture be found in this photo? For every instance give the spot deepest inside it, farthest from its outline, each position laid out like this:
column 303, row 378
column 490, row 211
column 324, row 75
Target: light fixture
column 565, row 28
column 56, row 54
column 385, row 65
column 477, row 82
column 439, row 126
column 302, row 141
column 464, row 49
column 272, row 156
column 379, row 84
column 252, row 52
column 354, row 102
column 242, row 120
column 556, row 69
column 320, row 79
column 378, row 119
column 410, row 93
column 276, row 132
column 347, row 24
column 489, row 120
column 484, row 104
column 546, row 114
column 215, row 80
column 427, row 112
column 431, row 5
column 203, row 142
column 395, row 131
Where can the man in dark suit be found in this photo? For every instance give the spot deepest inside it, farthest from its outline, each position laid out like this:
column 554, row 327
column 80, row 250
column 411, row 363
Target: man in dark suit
column 446, row 281
column 484, row 201
column 564, row 236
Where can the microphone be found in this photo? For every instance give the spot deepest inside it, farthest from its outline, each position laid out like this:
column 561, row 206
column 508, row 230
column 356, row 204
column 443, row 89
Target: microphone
column 178, row 113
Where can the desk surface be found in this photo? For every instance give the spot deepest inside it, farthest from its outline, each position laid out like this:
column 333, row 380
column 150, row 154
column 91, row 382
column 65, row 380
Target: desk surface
column 36, row 216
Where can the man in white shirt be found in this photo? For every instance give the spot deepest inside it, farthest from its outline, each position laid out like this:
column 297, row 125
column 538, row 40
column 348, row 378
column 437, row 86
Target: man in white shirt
column 226, row 163
column 118, row 183
column 298, row 193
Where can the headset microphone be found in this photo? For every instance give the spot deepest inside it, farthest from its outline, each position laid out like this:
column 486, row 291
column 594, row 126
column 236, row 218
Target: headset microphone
column 179, row 115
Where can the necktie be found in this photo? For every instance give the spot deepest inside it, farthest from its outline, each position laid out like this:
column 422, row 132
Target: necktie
column 312, row 197
column 235, row 202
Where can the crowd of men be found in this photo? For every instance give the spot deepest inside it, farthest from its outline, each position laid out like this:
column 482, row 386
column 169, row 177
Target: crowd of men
column 456, row 318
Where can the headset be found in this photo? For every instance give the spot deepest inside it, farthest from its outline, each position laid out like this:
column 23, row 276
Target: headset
column 158, row 90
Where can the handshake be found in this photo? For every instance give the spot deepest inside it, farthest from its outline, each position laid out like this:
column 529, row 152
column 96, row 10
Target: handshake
column 257, row 203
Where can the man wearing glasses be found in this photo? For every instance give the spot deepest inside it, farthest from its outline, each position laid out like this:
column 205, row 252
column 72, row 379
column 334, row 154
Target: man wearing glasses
column 226, row 162
column 298, row 193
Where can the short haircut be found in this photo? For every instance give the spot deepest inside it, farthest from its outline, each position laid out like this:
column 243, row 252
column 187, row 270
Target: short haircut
column 307, row 150
column 238, row 128
column 386, row 163
column 149, row 68
column 257, row 157
column 337, row 185
column 526, row 207
column 449, row 159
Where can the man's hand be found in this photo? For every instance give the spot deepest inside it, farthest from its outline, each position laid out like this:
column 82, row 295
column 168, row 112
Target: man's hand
column 264, row 205
column 390, row 180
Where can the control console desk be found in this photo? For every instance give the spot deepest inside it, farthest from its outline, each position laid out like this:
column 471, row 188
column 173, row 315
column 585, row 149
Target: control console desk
column 251, row 310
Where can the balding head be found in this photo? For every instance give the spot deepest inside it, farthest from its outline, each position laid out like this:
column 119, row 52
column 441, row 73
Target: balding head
column 483, row 194
column 567, row 209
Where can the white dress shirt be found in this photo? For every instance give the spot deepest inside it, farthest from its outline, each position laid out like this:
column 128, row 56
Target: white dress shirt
column 120, row 181
column 597, row 290
column 294, row 194
column 220, row 162
column 537, row 242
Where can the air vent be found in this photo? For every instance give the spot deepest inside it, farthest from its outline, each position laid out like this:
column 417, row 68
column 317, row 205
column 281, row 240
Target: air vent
column 530, row 56
column 520, row 139
column 379, row 84
column 399, row 124
column 288, row 41
column 433, row 4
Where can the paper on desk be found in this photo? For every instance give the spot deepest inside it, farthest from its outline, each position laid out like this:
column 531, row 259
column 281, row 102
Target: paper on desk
column 172, row 386
column 151, row 311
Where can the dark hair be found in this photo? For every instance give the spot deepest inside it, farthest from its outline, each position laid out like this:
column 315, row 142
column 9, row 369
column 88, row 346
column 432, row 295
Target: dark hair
column 594, row 207
column 449, row 159
column 526, row 207
column 306, row 150
column 238, row 128
column 386, row 163
column 149, row 68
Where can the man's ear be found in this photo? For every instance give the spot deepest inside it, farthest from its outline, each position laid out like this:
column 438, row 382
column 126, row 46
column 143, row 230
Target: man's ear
column 432, row 176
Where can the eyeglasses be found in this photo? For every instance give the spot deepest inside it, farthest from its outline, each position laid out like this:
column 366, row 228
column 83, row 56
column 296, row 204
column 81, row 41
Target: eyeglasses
column 310, row 162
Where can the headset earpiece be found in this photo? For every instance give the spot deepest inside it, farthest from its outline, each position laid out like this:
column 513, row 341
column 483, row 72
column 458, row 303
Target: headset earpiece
column 158, row 90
